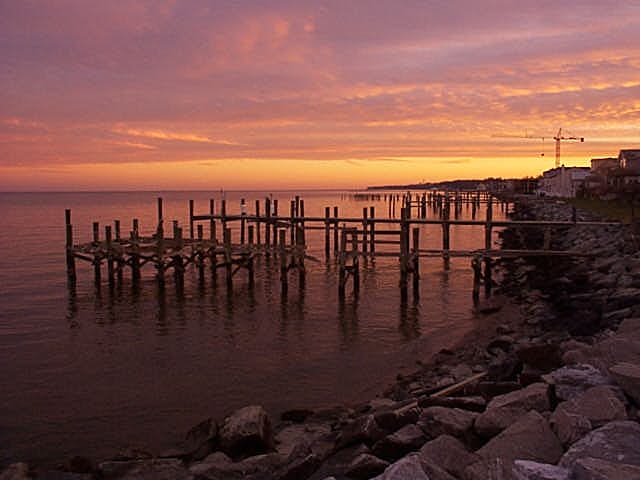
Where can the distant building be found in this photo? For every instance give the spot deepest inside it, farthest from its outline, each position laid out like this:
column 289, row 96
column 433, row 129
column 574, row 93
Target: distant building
column 603, row 165
column 629, row 159
column 562, row 181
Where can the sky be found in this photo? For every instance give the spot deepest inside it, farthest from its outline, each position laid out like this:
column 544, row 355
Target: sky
column 210, row 94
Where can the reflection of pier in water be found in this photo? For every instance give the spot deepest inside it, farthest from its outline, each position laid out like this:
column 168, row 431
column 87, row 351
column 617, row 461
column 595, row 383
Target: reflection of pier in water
column 282, row 240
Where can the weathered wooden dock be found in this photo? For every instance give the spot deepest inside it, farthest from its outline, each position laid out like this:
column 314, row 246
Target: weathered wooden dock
column 347, row 240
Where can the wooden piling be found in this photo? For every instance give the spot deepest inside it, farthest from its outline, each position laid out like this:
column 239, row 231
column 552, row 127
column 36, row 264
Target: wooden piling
column 355, row 265
column 135, row 250
column 342, row 270
column 488, row 225
column 160, row 217
column 365, row 226
column 258, row 222
column 71, row 261
column 212, row 223
column 228, row 258
column 327, row 232
column 191, row 209
column 267, row 224
column 243, row 221
column 372, row 231
column 109, row 254
column 335, row 230
column 275, row 222
column 250, row 263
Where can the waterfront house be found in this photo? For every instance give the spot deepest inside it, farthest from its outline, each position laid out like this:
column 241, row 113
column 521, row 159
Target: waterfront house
column 562, row 181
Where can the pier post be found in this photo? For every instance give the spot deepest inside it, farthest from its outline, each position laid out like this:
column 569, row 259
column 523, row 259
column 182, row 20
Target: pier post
column 476, row 265
column 327, row 232
column 372, row 232
column 223, row 216
column 135, row 258
column 160, row 217
column 228, row 259
column 191, row 209
column 250, row 262
column 178, row 263
column 365, row 226
column 243, row 221
column 71, row 261
column 212, row 222
column 97, row 259
column 257, row 222
column 109, row 247
column 342, row 270
column 301, row 221
column 200, row 253
column 275, row 222
column 292, row 223
column 267, row 224
column 335, row 230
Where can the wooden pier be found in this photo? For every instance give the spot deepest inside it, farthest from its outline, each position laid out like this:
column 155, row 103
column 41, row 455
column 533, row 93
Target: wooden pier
column 348, row 241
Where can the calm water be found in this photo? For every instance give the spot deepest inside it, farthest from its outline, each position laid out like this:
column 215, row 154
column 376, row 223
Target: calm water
column 101, row 370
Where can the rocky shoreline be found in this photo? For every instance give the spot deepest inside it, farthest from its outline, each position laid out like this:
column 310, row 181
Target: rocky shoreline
column 549, row 388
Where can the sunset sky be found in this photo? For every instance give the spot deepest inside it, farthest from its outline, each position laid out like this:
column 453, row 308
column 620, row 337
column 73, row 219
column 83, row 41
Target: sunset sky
column 209, row 94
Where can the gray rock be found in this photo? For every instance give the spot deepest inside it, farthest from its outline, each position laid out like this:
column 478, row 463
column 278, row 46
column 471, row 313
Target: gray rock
column 304, row 437
column 598, row 469
column 247, row 431
column 593, row 408
column 504, row 410
column 627, row 375
column 407, row 468
column 569, row 427
column 616, row 441
column 199, row 440
column 528, row 470
column 630, row 328
column 392, row 419
column 338, row 463
column 392, row 447
column 16, row 471
column 449, row 454
column 366, row 466
column 530, row 438
column 301, row 467
column 363, row 429
column 148, row 469
column 222, row 469
column 436, row 421
column 572, row 380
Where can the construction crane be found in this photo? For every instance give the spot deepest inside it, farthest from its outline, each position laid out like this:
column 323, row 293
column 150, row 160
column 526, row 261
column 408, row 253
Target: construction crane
column 558, row 138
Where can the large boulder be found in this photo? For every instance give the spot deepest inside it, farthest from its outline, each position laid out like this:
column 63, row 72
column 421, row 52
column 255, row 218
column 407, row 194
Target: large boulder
column 616, row 442
column 436, row 421
column 363, row 429
column 540, row 356
column 148, row 469
column 572, row 380
column 576, row 417
column 394, row 418
column 407, row 468
column 297, row 438
column 449, row 454
column 247, row 432
column 392, row 447
column 219, row 467
column 597, row 469
column 528, row 470
column 627, row 375
column 530, row 438
column 366, row 466
column 504, row 410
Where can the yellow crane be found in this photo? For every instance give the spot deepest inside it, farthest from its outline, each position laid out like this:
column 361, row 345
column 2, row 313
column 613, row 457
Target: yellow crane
column 558, row 138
